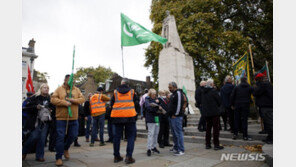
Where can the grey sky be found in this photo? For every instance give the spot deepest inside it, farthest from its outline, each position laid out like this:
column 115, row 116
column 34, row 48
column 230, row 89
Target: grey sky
column 93, row 26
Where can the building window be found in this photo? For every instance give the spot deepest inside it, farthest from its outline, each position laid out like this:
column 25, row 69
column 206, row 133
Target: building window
column 24, row 64
column 23, row 84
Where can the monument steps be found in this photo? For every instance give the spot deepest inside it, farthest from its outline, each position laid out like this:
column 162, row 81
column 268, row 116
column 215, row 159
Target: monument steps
column 192, row 135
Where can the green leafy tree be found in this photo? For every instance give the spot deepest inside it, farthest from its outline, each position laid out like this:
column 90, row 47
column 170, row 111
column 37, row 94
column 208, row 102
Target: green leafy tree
column 40, row 76
column 214, row 34
column 100, row 74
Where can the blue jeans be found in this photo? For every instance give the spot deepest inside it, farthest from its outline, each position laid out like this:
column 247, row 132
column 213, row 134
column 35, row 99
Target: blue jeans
column 61, row 144
column 87, row 130
column 176, row 124
column 131, row 134
column 98, row 120
column 37, row 135
column 110, row 130
column 173, row 134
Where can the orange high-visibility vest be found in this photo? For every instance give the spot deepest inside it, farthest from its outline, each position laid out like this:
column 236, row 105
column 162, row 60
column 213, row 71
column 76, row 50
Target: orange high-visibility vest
column 97, row 105
column 124, row 105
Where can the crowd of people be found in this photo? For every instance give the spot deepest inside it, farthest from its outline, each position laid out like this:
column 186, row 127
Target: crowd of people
column 47, row 114
column 232, row 103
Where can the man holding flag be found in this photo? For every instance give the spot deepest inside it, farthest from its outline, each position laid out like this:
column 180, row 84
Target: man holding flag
column 65, row 123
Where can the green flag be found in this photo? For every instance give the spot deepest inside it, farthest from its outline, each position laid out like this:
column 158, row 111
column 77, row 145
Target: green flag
column 70, row 83
column 184, row 90
column 133, row 33
column 241, row 69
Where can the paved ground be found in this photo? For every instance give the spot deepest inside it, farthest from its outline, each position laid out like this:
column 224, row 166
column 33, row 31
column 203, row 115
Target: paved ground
column 196, row 155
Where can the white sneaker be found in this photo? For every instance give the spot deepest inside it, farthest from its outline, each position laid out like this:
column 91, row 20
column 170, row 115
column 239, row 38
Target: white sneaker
column 179, row 153
column 173, row 150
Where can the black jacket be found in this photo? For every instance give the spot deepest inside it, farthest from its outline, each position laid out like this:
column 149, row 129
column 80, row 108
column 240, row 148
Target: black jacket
column 176, row 104
column 163, row 102
column 31, row 109
column 241, row 95
column 86, row 108
column 264, row 94
column 122, row 89
column 151, row 111
column 225, row 94
column 210, row 101
column 198, row 98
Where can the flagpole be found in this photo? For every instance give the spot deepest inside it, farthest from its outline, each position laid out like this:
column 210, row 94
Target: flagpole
column 252, row 59
column 252, row 62
column 267, row 71
column 70, row 94
column 122, row 62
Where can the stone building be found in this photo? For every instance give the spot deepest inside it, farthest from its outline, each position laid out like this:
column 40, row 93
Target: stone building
column 139, row 86
column 174, row 63
column 89, row 86
column 28, row 57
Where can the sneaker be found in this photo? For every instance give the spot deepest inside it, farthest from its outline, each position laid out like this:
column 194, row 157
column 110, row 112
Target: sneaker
column 77, row 144
column 218, row 147
column 155, row 150
column 129, row 160
column 247, row 138
column 102, row 144
column 161, row 146
column 208, row 146
column 173, row 150
column 149, row 153
column 234, row 137
column 92, row 144
column 179, row 153
column 117, row 159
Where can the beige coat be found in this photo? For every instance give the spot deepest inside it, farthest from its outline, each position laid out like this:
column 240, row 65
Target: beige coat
column 59, row 100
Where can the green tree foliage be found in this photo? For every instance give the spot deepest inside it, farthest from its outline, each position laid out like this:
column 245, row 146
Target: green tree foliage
column 215, row 33
column 40, row 76
column 100, row 74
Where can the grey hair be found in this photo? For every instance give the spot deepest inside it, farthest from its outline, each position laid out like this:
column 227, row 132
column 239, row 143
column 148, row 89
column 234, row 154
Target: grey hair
column 227, row 78
column 210, row 83
column 173, row 84
column 124, row 81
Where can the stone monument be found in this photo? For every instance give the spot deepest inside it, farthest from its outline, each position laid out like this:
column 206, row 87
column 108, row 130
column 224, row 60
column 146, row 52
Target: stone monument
column 174, row 63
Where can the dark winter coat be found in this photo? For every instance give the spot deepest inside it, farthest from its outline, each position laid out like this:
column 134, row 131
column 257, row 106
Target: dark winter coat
column 198, row 98
column 241, row 95
column 122, row 89
column 225, row 94
column 151, row 111
column 264, row 94
column 86, row 108
column 176, row 104
column 32, row 111
column 163, row 102
column 210, row 101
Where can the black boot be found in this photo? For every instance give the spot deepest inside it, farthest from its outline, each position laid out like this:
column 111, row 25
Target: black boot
column 155, row 150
